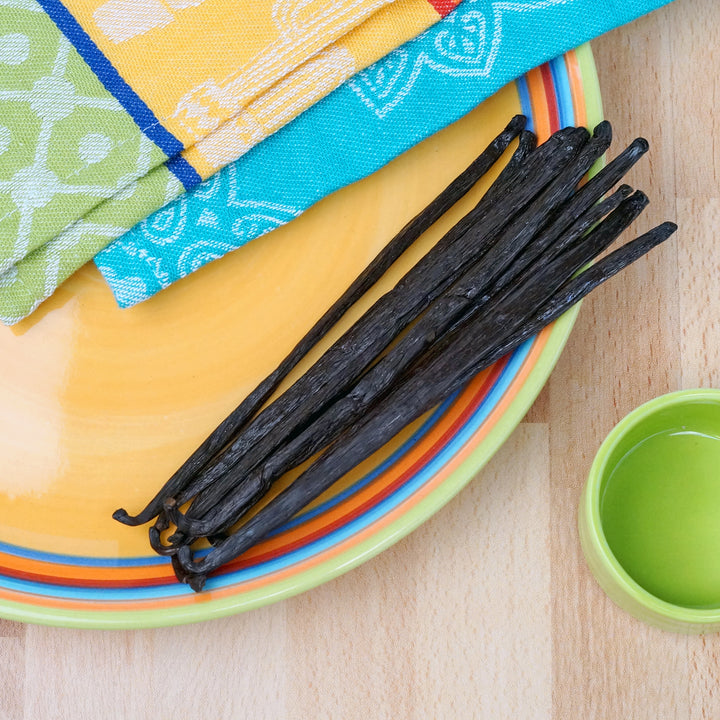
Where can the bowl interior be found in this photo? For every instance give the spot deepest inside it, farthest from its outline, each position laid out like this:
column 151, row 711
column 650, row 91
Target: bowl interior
column 659, row 498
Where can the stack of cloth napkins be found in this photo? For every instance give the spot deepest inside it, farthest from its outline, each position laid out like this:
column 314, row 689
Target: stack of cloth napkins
column 157, row 135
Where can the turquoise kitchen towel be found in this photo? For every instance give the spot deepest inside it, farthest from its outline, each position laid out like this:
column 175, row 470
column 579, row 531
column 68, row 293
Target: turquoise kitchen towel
column 410, row 94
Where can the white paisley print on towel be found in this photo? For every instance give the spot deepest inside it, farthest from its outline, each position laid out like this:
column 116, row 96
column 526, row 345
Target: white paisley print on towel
column 243, row 220
column 264, row 116
column 305, row 27
column 466, row 44
column 122, row 20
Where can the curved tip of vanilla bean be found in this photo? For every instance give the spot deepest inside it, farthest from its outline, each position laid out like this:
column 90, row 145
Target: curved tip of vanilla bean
column 158, row 545
column 180, row 538
column 183, row 524
column 154, row 532
column 178, row 569
column 171, row 509
column 624, row 190
column 197, row 582
column 162, row 523
column 121, row 515
column 150, row 512
column 182, row 563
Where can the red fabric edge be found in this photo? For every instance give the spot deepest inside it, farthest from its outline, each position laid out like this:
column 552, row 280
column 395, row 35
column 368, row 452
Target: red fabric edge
column 443, row 7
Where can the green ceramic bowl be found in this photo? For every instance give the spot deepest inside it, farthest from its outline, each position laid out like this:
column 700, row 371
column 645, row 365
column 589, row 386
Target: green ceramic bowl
column 649, row 516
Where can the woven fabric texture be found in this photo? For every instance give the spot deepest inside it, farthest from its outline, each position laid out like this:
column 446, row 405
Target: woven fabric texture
column 114, row 107
column 413, row 92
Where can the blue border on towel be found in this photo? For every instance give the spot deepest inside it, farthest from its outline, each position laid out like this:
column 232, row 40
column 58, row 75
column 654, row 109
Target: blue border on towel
column 184, row 172
column 125, row 95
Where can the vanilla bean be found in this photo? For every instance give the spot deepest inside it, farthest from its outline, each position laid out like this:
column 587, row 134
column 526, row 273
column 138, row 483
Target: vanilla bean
column 519, row 259
column 588, row 195
column 249, row 488
column 516, row 168
column 240, row 490
column 524, row 164
column 442, row 371
column 342, row 364
column 477, row 240
column 229, row 428
column 581, row 285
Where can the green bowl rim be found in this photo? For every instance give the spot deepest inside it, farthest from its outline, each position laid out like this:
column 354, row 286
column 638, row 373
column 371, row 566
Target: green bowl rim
column 593, row 523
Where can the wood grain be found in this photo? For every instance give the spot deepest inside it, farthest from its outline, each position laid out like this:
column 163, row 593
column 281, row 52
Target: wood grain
column 488, row 610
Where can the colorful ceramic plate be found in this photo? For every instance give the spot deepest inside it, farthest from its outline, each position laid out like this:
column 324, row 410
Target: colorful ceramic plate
column 99, row 405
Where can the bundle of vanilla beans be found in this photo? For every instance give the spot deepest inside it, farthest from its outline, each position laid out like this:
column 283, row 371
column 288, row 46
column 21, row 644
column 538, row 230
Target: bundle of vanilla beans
column 517, row 261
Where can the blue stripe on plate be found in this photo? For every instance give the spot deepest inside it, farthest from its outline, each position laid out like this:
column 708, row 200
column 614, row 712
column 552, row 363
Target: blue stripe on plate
column 78, row 560
column 563, row 94
column 525, row 103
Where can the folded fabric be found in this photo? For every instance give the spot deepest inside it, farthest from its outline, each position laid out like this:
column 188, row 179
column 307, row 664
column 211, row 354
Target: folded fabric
column 413, row 92
column 131, row 101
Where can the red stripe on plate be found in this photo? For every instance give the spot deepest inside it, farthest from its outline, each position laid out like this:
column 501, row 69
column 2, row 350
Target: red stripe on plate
column 550, row 97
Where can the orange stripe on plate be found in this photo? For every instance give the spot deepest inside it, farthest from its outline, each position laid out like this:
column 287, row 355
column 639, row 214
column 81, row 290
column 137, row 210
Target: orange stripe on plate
column 576, row 87
column 538, row 101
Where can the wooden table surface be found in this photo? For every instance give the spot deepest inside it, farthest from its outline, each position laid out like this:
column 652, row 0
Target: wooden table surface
column 488, row 610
